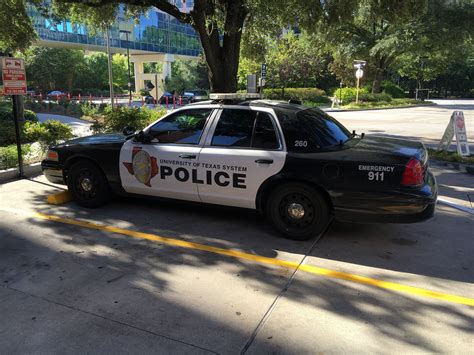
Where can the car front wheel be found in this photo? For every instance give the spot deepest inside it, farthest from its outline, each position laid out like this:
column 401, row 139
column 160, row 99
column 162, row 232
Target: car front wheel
column 88, row 184
column 297, row 211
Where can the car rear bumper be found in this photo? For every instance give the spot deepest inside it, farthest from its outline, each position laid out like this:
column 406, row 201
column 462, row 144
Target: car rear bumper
column 404, row 206
column 53, row 172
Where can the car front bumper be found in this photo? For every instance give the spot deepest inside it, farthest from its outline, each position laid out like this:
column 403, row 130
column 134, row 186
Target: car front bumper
column 53, row 172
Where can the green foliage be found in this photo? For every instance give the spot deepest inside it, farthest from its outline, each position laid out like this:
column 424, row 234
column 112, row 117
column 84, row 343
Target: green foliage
column 9, row 155
column 72, row 71
column 303, row 94
column 392, row 89
column 114, row 120
column 393, row 103
column 53, row 68
column 48, row 133
column 187, row 75
column 348, row 95
column 449, row 156
column 7, row 125
column 16, row 29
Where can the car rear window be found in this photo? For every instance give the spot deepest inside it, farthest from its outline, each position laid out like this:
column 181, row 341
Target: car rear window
column 312, row 130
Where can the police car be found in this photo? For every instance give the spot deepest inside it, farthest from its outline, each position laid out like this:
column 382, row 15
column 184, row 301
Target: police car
column 296, row 164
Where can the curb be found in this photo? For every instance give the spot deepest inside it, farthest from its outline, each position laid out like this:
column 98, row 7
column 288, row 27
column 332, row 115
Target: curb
column 377, row 108
column 461, row 167
column 12, row 174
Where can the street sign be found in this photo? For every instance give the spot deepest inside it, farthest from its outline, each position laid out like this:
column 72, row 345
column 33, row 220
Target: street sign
column 263, row 71
column 14, row 76
column 456, row 127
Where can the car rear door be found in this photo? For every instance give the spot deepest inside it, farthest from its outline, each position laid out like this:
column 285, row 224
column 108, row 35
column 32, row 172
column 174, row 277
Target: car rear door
column 244, row 147
column 166, row 165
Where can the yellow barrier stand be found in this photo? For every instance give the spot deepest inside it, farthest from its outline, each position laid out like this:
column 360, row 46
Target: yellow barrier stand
column 59, row 198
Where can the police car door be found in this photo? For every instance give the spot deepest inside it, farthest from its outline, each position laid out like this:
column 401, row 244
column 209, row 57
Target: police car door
column 162, row 164
column 243, row 149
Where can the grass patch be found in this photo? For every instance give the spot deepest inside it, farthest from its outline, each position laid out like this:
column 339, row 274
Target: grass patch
column 394, row 103
column 449, row 156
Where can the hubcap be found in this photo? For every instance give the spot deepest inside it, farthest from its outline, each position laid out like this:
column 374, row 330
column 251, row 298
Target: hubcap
column 296, row 210
column 86, row 184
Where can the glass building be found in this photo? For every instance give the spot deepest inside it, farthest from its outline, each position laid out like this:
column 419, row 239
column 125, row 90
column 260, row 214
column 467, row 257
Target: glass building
column 155, row 32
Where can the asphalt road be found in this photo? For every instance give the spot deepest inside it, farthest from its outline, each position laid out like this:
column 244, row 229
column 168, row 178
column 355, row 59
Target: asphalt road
column 425, row 123
column 169, row 277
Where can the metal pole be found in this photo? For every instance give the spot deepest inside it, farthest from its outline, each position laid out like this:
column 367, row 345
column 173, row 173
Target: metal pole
column 129, row 74
column 111, row 78
column 156, row 87
column 340, row 93
column 357, row 92
column 17, row 116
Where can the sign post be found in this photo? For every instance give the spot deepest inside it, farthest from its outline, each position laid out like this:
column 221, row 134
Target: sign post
column 263, row 77
column 14, row 84
column 456, row 127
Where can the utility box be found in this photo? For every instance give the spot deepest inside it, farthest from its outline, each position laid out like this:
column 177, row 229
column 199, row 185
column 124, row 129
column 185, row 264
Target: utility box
column 252, row 83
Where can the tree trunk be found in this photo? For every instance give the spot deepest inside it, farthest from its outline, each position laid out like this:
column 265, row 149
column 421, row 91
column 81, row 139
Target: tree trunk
column 221, row 51
column 377, row 83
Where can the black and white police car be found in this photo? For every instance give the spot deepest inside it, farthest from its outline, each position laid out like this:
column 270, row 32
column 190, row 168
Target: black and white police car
column 296, row 164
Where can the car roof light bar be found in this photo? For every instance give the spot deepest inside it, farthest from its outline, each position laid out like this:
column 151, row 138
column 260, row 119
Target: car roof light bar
column 234, row 96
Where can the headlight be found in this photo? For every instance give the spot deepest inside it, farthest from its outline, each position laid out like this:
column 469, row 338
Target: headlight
column 52, row 155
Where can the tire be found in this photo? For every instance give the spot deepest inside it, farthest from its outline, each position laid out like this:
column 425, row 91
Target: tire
column 88, row 185
column 297, row 211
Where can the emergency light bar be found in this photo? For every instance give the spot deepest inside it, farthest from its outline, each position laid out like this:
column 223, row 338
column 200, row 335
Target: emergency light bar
column 235, row 96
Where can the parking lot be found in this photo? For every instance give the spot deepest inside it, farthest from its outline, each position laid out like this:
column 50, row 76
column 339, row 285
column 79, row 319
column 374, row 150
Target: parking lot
column 158, row 276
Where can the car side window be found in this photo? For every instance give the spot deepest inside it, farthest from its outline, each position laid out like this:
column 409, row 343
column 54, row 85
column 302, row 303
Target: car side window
column 264, row 135
column 245, row 129
column 184, row 127
column 234, row 128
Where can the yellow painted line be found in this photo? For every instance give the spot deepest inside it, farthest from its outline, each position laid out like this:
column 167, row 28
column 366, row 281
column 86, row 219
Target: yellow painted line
column 256, row 258
column 59, row 198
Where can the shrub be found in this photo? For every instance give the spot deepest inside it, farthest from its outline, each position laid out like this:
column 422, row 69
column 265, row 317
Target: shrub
column 348, row 95
column 48, row 133
column 369, row 97
column 303, row 94
column 393, row 90
column 114, row 120
column 144, row 92
column 7, row 125
column 9, row 155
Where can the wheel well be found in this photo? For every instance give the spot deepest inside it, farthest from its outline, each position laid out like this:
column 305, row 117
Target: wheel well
column 267, row 189
column 73, row 160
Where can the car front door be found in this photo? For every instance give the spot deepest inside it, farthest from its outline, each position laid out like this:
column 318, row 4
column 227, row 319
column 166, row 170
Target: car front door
column 164, row 164
column 243, row 149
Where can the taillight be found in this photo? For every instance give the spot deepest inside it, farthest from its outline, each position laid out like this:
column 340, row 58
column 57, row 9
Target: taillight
column 414, row 173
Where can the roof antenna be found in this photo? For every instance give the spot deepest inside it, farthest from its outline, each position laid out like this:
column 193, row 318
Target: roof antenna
column 362, row 135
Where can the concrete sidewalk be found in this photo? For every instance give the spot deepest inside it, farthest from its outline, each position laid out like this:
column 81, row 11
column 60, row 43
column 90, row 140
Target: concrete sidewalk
column 67, row 288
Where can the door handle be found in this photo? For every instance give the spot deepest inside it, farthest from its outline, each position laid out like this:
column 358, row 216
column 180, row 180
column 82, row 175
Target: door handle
column 264, row 161
column 187, row 156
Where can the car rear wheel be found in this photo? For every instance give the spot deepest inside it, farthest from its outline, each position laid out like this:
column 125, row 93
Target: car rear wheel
column 88, row 184
column 297, row 211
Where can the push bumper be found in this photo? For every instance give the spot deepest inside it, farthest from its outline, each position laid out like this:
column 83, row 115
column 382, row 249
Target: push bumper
column 403, row 206
column 53, row 172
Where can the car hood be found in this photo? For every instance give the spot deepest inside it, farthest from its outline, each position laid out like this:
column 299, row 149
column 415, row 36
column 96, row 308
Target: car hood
column 96, row 139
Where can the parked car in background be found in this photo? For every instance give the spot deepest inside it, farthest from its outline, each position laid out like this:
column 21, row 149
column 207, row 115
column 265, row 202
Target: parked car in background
column 196, row 95
column 56, row 95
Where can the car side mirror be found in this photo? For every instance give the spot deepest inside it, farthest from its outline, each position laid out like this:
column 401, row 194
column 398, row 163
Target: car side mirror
column 142, row 137
column 128, row 131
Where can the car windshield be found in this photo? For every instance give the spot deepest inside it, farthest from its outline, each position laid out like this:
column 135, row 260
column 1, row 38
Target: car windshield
column 322, row 127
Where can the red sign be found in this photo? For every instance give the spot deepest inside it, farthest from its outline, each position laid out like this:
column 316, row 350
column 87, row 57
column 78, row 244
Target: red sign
column 14, row 76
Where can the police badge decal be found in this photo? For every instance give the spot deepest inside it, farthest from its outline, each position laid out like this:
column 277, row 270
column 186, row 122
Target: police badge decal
column 143, row 166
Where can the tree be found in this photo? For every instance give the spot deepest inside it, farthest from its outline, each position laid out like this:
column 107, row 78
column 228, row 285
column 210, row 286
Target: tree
column 16, row 30
column 382, row 31
column 219, row 23
column 53, row 68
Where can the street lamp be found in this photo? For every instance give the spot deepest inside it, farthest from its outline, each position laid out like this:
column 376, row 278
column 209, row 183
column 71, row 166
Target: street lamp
column 128, row 60
column 359, row 65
